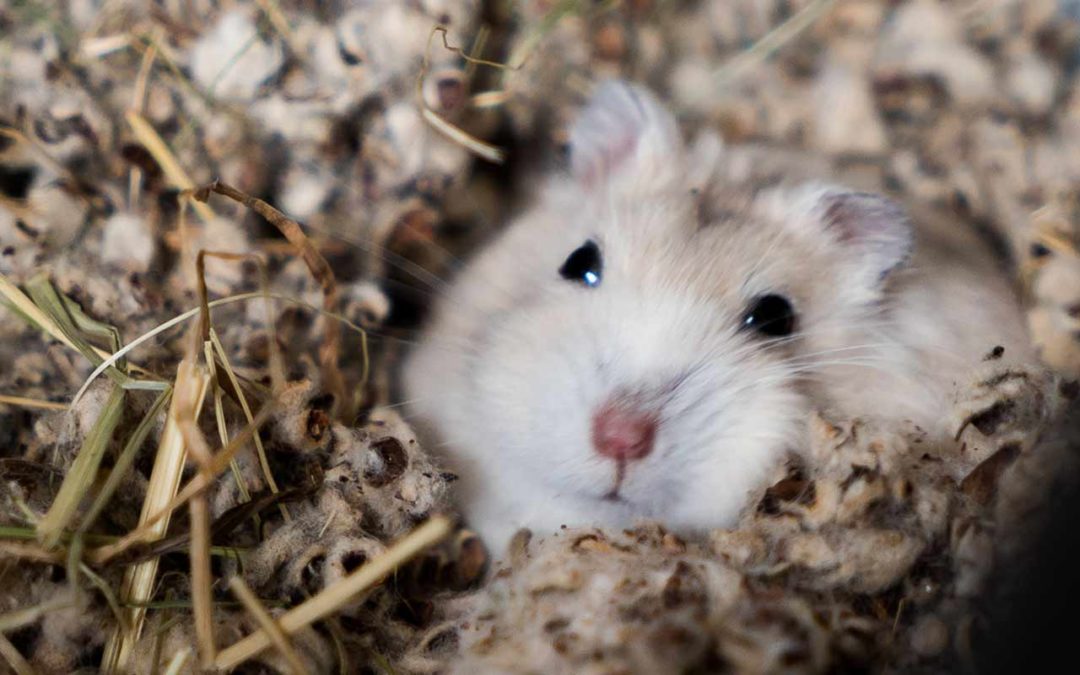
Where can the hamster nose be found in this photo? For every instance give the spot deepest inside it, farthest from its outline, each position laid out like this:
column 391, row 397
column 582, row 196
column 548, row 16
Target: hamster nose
column 623, row 434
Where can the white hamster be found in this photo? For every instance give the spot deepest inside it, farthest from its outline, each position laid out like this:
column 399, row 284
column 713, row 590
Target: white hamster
column 647, row 340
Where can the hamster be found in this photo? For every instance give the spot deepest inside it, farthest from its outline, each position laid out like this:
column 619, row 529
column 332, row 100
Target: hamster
column 647, row 340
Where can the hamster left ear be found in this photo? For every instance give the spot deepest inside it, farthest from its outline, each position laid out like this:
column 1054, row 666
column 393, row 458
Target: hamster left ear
column 876, row 227
column 623, row 130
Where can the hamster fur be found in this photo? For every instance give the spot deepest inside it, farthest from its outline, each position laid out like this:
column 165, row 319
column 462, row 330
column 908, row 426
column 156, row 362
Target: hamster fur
column 517, row 360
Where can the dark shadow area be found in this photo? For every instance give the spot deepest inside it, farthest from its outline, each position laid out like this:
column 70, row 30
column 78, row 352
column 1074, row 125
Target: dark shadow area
column 1032, row 611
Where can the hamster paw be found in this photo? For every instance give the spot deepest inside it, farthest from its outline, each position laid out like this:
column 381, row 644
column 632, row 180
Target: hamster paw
column 1005, row 405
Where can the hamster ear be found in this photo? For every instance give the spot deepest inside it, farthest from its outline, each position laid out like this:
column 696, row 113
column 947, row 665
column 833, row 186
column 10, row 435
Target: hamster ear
column 623, row 129
column 877, row 228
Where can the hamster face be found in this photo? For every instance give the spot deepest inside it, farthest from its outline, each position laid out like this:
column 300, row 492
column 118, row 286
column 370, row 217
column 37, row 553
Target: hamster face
column 636, row 345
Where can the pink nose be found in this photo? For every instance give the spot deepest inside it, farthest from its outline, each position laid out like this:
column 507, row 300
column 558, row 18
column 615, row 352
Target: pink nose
column 623, row 433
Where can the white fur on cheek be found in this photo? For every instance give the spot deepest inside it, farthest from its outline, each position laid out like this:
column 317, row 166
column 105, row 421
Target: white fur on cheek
column 520, row 430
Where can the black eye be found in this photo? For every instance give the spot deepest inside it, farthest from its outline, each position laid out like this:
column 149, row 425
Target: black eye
column 770, row 315
column 1039, row 250
column 584, row 265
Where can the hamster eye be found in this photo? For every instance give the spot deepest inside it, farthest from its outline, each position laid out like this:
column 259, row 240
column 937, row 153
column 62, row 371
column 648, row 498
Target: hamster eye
column 584, row 265
column 770, row 315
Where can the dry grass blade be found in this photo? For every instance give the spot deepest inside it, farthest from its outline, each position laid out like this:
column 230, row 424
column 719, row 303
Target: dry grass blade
column 80, row 329
column 320, row 270
column 24, row 617
column 178, row 661
column 332, row 598
column 171, row 59
column 163, row 620
column 771, row 41
column 106, row 592
column 142, row 78
column 288, row 227
column 13, row 468
column 521, row 53
column 220, row 528
column 83, row 323
column 202, row 579
column 165, row 158
column 228, row 66
column 488, row 99
column 281, row 25
column 478, row 45
column 1053, row 229
column 264, row 463
column 138, row 100
column 189, row 401
column 150, row 525
column 34, row 315
column 177, row 320
column 29, row 553
column 123, row 351
column 277, row 367
column 25, row 306
column 458, row 135
column 96, row 48
column 204, row 331
column 453, row 132
column 83, row 471
column 281, row 641
column 472, row 60
column 29, row 534
column 24, row 402
column 222, row 425
column 74, row 324
column 18, row 664
column 528, row 45
column 333, row 628
column 138, row 583
column 124, row 461
column 230, row 386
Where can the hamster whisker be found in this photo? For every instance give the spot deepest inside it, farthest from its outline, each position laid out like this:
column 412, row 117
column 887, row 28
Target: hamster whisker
column 867, row 345
column 786, row 371
column 402, row 404
column 812, row 357
column 818, row 366
column 872, row 330
column 461, row 347
column 832, row 328
column 815, row 370
column 389, row 257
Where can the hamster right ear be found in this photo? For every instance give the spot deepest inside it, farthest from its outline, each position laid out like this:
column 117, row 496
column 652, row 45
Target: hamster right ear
column 623, row 131
column 876, row 227
column 870, row 235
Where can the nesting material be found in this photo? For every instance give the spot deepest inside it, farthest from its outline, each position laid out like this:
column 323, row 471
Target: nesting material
column 1032, row 82
column 852, row 558
column 315, row 651
column 846, row 121
column 925, row 40
column 128, row 242
column 1053, row 267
